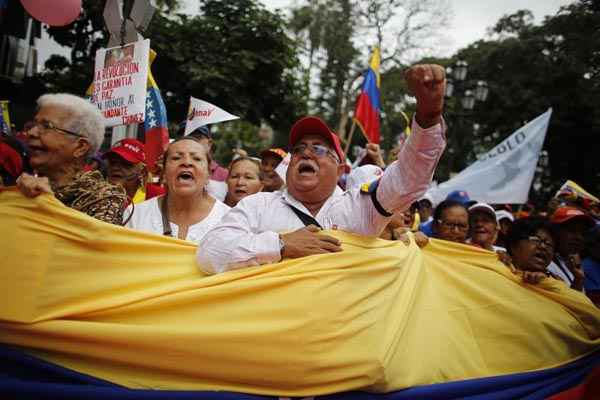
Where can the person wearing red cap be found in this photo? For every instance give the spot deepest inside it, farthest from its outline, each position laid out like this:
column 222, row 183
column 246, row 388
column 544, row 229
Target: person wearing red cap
column 250, row 233
column 570, row 226
column 126, row 167
column 270, row 159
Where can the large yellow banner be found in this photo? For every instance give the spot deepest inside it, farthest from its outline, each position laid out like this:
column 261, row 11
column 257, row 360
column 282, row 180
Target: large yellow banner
column 134, row 309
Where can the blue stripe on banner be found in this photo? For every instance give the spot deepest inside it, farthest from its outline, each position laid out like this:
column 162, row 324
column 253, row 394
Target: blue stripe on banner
column 24, row 376
column 370, row 87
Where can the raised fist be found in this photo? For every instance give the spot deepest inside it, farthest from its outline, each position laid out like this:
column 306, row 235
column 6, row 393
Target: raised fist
column 427, row 82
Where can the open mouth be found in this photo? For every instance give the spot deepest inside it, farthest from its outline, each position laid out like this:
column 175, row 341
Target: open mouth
column 115, row 174
column 306, row 169
column 540, row 258
column 185, row 176
column 240, row 191
column 35, row 149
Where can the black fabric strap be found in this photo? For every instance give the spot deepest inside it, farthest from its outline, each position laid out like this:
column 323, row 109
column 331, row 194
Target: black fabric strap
column 378, row 205
column 165, row 217
column 305, row 218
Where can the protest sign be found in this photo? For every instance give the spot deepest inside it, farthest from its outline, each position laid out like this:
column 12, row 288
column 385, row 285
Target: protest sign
column 202, row 113
column 120, row 79
column 503, row 174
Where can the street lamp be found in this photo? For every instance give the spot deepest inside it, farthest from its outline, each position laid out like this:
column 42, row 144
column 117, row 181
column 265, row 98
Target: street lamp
column 460, row 70
column 468, row 101
column 481, row 91
column 467, row 93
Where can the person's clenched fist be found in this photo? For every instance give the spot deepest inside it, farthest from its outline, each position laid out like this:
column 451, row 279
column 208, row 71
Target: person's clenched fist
column 33, row 186
column 427, row 82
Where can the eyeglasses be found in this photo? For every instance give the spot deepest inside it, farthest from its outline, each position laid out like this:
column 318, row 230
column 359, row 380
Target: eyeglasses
column 453, row 226
column 539, row 242
column 317, row 149
column 44, row 126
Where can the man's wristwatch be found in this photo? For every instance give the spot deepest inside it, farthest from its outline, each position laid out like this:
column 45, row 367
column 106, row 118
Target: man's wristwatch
column 281, row 246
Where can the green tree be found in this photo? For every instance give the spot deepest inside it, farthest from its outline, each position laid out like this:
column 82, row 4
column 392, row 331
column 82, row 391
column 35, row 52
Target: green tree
column 235, row 54
column 530, row 68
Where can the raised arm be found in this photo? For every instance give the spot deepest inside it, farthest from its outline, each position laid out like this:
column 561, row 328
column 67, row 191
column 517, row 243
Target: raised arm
column 408, row 178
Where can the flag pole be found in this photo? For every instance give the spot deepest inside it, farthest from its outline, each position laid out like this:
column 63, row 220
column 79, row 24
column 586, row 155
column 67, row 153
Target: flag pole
column 349, row 139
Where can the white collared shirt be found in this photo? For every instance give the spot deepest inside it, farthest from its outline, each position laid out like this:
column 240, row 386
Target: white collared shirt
column 248, row 234
column 147, row 217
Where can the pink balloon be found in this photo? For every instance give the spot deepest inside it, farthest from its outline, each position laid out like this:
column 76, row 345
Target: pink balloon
column 55, row 12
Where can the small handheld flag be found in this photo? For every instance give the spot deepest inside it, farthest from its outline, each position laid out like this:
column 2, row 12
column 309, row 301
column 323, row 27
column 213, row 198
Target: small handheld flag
column 202, row 113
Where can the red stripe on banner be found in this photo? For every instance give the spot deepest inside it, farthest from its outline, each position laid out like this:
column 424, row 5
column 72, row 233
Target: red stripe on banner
column 589, row 389
column 367, row 118
column 156, row 142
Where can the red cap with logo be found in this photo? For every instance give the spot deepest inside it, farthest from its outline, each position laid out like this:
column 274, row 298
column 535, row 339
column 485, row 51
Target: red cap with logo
column 316, row 126
column 131, row 150
column 565, row 214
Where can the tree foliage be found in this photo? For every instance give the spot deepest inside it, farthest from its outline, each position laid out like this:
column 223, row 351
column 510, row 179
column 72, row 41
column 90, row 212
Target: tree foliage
column 235, row 54
column 530, row 68
column 337, row 37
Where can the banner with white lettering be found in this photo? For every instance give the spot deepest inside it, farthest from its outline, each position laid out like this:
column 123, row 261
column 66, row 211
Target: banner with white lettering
column 120, row 78
column 202, row 113
column 503, row 174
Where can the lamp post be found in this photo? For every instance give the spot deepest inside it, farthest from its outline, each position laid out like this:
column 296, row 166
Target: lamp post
column 466, row 93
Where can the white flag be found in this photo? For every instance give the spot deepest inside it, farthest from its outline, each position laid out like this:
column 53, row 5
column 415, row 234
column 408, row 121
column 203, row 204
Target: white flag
column 282, row 168
column 202, row 113
column 503, row 174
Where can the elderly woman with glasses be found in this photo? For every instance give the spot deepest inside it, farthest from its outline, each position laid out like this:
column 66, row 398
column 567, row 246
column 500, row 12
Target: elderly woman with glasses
column 65, row 130
column 531, row 246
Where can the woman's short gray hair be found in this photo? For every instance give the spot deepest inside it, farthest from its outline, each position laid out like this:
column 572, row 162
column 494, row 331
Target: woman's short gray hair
column 84, row 117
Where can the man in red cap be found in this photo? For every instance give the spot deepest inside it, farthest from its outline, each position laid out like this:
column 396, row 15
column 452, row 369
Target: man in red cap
column 570, row 227
column 127, row 168
column 250, row 233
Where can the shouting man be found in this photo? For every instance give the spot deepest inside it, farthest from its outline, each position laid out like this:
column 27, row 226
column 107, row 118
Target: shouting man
column 250, row 233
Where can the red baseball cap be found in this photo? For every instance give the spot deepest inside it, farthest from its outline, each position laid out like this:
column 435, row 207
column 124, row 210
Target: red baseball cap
column 313, row 125
column 275, row 151
column 131, row 150
column 565, row 214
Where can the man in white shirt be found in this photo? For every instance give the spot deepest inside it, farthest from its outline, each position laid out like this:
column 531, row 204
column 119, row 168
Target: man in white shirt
column 252, row 232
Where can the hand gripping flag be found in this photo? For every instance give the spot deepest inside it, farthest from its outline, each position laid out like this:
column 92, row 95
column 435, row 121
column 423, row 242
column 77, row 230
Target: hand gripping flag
column 202, row 113
column 368, row 105
column 573, row 192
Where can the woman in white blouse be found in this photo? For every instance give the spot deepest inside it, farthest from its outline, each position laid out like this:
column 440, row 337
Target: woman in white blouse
column 187, row 211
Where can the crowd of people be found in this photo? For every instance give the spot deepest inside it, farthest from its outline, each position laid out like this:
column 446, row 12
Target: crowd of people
column 263, row 209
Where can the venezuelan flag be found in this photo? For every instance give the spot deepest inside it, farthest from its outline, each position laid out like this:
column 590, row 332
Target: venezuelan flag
column 96, row 311
column 368, row 105
column 156, row 124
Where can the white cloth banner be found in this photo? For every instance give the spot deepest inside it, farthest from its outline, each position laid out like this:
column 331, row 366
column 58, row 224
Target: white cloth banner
column 120, row 78
column 202, row 113
column 503, row 174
